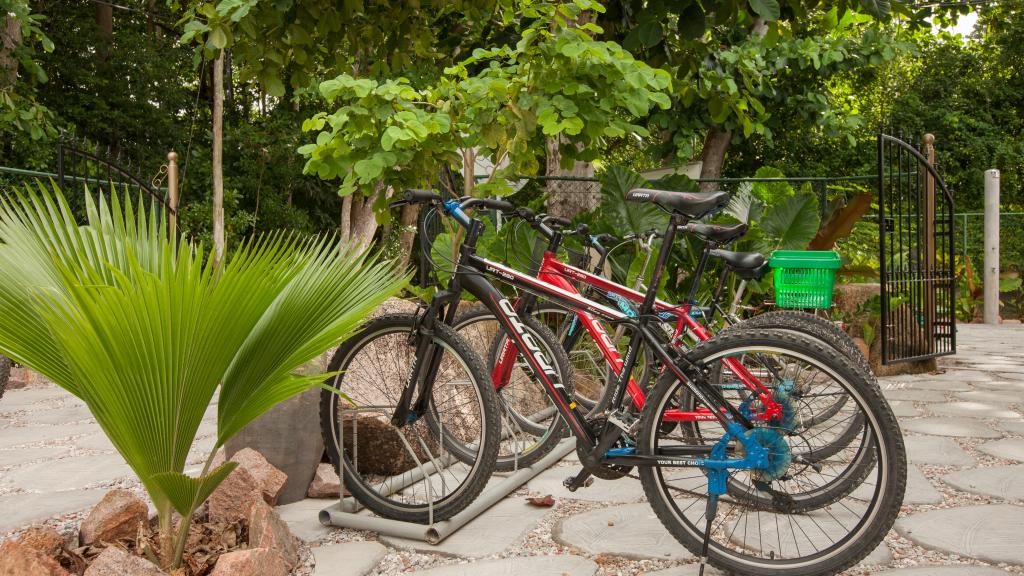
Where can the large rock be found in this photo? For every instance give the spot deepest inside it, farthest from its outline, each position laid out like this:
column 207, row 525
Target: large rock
column 117, row 516
column 289, row 439
column 270, row 480
column 251, row 562
column 44, row 539
column 231, row 501
column 847, row 297
column 267, row 530
column 326, row 483
column 19, row 560
column 114, row 561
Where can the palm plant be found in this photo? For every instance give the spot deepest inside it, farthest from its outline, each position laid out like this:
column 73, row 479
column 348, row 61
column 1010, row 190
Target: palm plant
column 144, row 328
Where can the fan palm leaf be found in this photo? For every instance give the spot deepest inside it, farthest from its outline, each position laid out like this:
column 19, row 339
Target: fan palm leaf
column 145, row 328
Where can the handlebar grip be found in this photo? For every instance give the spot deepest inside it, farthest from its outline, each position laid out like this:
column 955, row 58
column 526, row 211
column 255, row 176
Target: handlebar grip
column 420, row 196
column 557, row 221
column 583, row 230
column 606, row 238
column 499, row 205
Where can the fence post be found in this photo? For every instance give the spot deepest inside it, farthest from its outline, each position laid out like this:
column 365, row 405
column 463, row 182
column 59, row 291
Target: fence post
column 172, row 189
column 991, row 275
column 929, row 244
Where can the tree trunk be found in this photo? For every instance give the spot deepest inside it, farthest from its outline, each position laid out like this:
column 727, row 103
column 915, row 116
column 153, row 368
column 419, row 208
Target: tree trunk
column 407, row 233
column 712, row 157
column 10, row 39
column 218, row 157
column 568, row 198
column 358, row 222
column 105, row 24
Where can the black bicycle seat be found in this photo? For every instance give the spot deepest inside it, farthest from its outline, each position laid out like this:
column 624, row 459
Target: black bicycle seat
column 746, row 265
column 719, row 233
column 692, row 205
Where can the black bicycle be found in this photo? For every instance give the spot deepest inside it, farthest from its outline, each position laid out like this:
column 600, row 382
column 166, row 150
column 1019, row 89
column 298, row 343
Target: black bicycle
column 684, row 481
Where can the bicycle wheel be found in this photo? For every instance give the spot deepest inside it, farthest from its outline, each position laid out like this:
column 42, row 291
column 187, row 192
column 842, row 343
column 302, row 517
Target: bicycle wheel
column 429, row 469
column 748, row 537
column 531, row 426
column 5, row 373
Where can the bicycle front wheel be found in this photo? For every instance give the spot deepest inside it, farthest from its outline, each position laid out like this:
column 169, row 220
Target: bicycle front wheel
column 750, row 536
column 428, row 469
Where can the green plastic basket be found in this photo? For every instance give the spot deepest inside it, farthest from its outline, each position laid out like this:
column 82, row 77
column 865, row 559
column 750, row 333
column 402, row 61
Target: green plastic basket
column 804, row 278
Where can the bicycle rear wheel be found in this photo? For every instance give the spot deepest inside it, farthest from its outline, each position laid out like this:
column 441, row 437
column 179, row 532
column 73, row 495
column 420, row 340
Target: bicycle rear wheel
column 5, row 373
column 750, row 536
column 431, row 468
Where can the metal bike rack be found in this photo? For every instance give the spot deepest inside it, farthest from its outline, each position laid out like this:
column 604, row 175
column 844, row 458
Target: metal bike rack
column 345, row 513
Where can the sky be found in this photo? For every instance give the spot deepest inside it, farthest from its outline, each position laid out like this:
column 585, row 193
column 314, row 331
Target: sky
column 965, row 25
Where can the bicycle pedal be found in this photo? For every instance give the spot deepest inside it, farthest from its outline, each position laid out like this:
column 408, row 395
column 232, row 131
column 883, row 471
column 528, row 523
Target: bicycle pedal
column 572, row 485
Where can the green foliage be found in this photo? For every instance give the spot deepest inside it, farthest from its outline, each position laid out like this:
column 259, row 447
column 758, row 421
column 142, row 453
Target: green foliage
column 20, row 111
column 145, row 329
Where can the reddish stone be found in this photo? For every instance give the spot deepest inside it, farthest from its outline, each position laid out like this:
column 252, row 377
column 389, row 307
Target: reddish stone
column 43, row 539
column 267, row 530
column 17, row 559
column 117, row 516
column 326, row 483
column 231, row 501
column 251, row 562
column 116, row 562
column 270, row 480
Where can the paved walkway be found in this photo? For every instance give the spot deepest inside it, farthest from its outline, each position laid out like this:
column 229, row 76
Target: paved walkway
column 964, row 508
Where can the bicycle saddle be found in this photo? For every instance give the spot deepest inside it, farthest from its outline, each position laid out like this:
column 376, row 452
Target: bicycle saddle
column 718, row 233
column 746, row 265
column 692, row 205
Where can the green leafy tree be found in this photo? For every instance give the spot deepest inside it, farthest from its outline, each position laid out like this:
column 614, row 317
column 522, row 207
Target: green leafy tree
column 144, row 329
column 21, row 39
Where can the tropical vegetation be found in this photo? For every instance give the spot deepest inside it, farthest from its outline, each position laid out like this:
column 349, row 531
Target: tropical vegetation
column 146, row 328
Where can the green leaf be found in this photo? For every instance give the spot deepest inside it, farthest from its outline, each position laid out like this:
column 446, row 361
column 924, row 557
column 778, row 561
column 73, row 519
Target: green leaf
column 217, row 39
column 186, row 493
column 692, row 21
column 368, row 169
column 767, row 9
column 791, row 224
column 877, row 8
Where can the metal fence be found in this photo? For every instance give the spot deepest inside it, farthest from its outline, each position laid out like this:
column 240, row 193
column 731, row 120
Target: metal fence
column 971, row 232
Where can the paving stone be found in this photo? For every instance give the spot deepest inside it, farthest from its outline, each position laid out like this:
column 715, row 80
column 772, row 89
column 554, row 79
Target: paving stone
column 973, row 410
column 1011, row 375
column 904, row 409
column 1003, row 482
column 788, row 536
column 31, row 398
column 937, row 451
column 914, row 395
column 880, row 556
column 348, row 559
column 1002, row 397
column 940, row 385
column 21, row 456
column 1012, row 426
column 23, row 435
column 631, row 531
column 962, row 376
column 488, row 534
column 944, row 571
column 303, row 518
column 69, row 473
column 96, row 442
column 1009, row 448
column 1002, row 386
column 989, row 533
column 919, row 489
column 621, row 491
column 566, row 565
column 63, row 415
column 956, row 427
column 20, row 510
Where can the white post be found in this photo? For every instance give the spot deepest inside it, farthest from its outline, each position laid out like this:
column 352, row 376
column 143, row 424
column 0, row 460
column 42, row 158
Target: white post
column 991, row 275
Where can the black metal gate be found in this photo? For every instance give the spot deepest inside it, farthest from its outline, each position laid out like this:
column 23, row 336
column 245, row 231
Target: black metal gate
column 916, row 253
column 97, row 169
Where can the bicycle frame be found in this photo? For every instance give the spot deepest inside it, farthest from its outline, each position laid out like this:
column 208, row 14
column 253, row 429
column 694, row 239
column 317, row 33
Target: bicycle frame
column 471, row 275
column 554, row 272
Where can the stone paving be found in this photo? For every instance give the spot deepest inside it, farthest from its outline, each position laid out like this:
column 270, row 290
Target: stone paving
column 963, row 515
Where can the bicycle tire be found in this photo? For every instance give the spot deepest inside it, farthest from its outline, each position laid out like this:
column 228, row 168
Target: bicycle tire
column 890, row 460
column 547, row 436
column 479, row 470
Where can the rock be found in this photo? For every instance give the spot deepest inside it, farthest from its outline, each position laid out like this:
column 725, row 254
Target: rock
column 267, row 530
column 270, row 480
column 116, row 517
column 863, row 347
column 350, row 558
column 19, row 560
column 326, row 483
column 114, row 561
column 43, row 539
column 379, row 447
column 234, row 497
column 251, row 562
column 847, row 297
